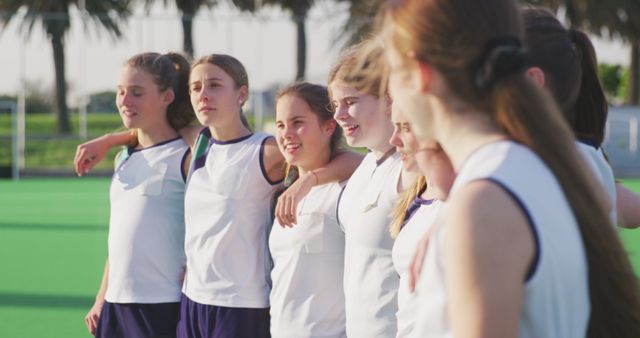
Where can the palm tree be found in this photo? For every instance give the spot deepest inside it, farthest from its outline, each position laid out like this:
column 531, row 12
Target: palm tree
column 360, row 22
column 299, row 10
column 188, row 10
column 54, row 16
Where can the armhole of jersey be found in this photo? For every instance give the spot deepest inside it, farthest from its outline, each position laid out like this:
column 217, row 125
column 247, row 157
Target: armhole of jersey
column 182, row 163
column 338, row 208
column 536, row 237
column 263, row 167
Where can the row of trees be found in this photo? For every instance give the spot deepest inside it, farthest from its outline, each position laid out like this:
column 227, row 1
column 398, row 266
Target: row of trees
column 611, row 18
column 54, row 17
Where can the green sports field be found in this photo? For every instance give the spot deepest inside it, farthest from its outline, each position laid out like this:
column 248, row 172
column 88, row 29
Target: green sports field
column 53, row 235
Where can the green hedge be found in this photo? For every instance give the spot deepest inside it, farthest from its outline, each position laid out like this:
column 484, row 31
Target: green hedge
column 45, row 150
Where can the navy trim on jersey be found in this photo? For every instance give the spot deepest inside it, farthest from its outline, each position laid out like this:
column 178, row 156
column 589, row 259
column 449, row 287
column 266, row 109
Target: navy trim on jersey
column 236, row 140
column 422, row 201
column 182, row 162
column 536, row 237
column 338, row 207
column 414, row 206
column 385, row 156
column 131, row 150
column 590, row 142
column 262, row 166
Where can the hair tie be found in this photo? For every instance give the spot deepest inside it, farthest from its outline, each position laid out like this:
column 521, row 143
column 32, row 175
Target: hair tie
column 501, row 57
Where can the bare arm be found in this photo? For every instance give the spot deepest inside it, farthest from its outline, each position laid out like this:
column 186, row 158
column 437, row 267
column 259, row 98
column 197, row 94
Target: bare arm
column 92, row 318
column 339, row 169
column 628, row 207
column 90, row 153
column 487, row 255
column 273, row 160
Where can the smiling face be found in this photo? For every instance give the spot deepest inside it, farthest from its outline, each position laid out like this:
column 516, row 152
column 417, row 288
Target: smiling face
column 404, row 140
column 214, row 95
column 363, row 117
column 139, row 100
column 302, row 138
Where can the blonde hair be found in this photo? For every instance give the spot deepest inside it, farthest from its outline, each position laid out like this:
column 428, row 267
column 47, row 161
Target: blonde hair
column 399, row 212
column 362, row 68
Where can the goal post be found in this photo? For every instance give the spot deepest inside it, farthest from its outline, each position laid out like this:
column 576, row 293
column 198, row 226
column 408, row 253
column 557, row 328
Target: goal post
column 17, row 136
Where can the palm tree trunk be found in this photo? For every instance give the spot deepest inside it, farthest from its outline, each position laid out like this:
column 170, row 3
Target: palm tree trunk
column 634, row 73
column 301, row 53
column 187, row 34
column 572, row 13
column 62, row 125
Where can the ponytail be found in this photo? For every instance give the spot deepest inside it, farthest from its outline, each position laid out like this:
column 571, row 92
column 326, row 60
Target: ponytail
column 180, row 112
column 568, row 60
column 530, row 117
column 591, row 108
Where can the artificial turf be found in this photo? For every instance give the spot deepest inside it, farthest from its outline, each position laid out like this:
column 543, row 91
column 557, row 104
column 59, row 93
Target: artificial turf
column 53, row 239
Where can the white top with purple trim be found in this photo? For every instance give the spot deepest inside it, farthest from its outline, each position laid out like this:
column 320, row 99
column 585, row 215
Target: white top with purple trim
column 603, row 172
column 555, row 300
column 228, row 218
column 418, row 222
column 146, row 225
column 307, row 300
column 370, row 281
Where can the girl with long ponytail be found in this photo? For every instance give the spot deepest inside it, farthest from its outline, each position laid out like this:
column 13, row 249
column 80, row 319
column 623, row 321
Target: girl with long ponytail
column 526, row 247
column 564, row 62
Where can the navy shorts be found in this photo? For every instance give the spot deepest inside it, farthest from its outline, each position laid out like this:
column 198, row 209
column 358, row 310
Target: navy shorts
column 210, row 321
column 138, row 320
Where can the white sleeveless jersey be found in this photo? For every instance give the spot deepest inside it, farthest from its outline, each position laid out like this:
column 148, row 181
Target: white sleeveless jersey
column 228, row 218
column 146, row 225
column 307, row 299
column 555, row 300
column 402, row 253
column 370, row 281
column 603, row 172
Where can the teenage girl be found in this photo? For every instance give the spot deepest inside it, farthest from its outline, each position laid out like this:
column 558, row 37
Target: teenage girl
column 140, row 291
column 564, row 62
column 308, row 259
column 526, row 247
column 233, row 175
column 416, row 210
column 370, row 281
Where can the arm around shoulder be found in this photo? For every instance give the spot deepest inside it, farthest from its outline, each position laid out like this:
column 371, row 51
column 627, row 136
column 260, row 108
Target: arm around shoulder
column 342, row 165
column 90, row 153
column 273, row 161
